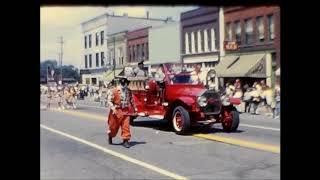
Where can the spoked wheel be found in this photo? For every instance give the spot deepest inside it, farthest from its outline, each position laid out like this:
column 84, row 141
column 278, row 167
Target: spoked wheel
column 231, row 120
column 180, row 120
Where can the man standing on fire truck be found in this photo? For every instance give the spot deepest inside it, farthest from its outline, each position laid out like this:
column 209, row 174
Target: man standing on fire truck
column 119, row 103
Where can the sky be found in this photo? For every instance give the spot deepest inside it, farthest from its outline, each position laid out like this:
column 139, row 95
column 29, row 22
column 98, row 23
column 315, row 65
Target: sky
column 65, row 21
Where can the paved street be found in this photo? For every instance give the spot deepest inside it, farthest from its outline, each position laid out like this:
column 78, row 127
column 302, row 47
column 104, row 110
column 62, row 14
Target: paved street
column 74, row 146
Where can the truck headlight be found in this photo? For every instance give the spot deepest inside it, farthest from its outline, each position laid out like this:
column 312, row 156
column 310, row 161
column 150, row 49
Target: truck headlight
column 202, row 101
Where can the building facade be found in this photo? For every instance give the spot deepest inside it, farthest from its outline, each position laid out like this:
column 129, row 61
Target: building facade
column 137, row 46
column 98, row 35
column 200, row 37
column 165, row 44
column 256, row 31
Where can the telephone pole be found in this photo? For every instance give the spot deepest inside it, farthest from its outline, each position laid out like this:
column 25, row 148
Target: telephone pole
column 61, row 56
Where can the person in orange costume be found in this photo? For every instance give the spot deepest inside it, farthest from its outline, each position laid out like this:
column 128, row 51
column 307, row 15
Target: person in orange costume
column 119, row 103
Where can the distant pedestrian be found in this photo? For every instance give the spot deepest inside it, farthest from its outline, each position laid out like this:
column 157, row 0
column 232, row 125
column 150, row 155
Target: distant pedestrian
column 247, row 98
column 49, row 98
column 277, row 101
column 256, row 98
column 103, row 95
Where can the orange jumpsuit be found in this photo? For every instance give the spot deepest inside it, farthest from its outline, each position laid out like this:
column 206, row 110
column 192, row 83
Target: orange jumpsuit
column 119, row 101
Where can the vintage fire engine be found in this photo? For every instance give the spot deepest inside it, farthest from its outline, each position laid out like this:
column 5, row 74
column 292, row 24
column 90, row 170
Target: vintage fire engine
column 182, row 103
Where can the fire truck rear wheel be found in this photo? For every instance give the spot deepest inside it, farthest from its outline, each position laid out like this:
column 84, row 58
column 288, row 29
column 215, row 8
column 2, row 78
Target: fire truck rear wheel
column 180, row 120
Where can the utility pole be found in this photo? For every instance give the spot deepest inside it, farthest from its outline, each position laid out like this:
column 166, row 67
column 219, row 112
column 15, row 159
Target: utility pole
column 61, row 56
column 114, row 57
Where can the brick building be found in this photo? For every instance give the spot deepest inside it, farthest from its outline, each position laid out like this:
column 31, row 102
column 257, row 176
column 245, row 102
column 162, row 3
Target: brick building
column 200, row 40
column 256, row 31
column 137, row 46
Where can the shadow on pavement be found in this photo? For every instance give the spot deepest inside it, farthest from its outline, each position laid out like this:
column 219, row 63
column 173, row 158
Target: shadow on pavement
column 132, row 143
column 163, row 125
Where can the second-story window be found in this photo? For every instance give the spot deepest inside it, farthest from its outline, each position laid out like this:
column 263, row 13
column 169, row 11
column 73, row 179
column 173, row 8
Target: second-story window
column 97, row 59
column 85, row 42
column 248, row 31
column 102, row 58
column 238, row 31
column 89, row 40
column 90, row 60
column 260, row 29
column 143, row 52
column 85, row 61
column 190, row 43
column 271, row 27
column 186, row 43
column 209, row 40
column 228, row 32
column 97, row 39
column 202, row 40
column 102, row 37
column 147, row 51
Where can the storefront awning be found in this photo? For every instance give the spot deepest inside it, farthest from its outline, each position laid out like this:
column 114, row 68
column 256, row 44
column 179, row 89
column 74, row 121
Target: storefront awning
column 224, row 63
column 109, row 76
column 253, row 65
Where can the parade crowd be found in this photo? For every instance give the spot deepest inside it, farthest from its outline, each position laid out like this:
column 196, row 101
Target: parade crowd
column 66, row 95
column 259, row 94
column 256, row 95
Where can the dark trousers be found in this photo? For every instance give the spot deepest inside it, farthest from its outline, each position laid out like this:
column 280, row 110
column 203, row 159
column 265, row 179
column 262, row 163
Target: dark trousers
column 247, row 106
column 255, row 106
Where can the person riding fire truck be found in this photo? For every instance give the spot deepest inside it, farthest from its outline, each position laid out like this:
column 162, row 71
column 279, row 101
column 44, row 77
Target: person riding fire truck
column 119, row 103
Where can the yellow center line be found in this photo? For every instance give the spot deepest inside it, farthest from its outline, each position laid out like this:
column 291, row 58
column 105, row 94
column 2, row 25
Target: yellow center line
column 239, row 142
column 116, row 154
column 233, row 141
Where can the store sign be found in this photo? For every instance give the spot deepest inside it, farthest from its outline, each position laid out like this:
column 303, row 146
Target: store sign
column 231, row 45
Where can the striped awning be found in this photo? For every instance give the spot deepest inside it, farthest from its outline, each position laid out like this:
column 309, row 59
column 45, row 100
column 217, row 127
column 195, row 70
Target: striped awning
column 253, row 65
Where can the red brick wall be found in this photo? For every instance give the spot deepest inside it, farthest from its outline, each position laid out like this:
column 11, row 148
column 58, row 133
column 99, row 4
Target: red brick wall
column 134, row 38
column 232, row 14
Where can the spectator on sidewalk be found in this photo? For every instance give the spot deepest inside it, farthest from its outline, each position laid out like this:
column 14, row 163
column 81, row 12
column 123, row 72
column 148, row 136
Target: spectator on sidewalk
column 237, row 84
column 277, row 101
column 256, row 98
column 245, row 87
column 268, row 98
column 247, row 100
column 103, row 95
column 229, row 89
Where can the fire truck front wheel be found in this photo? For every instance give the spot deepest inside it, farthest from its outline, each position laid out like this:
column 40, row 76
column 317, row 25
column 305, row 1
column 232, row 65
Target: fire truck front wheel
column 180, row 120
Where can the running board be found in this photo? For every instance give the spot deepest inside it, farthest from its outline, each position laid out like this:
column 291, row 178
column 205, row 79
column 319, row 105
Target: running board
column 156, row 116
